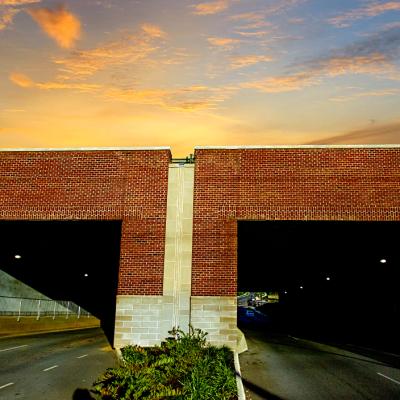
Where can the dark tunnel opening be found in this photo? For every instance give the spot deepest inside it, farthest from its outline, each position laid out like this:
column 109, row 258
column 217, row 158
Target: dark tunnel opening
column 76, row 261
column 332, row 280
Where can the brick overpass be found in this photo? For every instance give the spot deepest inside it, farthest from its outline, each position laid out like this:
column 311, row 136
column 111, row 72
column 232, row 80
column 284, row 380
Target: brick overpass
column 178, row 254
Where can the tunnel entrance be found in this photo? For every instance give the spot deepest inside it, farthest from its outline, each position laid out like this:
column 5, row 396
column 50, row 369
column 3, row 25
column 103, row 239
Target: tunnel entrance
column 336, row 280
column 66, row 260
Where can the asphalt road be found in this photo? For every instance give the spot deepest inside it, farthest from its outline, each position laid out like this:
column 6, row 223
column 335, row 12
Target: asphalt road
column 278, row 366
column 53, row 366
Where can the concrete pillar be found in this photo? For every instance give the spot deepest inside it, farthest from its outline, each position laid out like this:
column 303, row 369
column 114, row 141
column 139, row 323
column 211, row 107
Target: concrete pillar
column 146, row 320
column 178, row 242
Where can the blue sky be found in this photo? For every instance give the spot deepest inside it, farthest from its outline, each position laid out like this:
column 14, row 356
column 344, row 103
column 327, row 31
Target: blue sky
column 185, row 73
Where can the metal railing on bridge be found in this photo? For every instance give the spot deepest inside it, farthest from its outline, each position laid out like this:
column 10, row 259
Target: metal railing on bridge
column 190, row 159
column 31, row 307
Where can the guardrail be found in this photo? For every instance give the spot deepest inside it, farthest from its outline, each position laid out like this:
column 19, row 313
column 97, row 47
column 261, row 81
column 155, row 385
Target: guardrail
column 190, row 159
column 31, row 307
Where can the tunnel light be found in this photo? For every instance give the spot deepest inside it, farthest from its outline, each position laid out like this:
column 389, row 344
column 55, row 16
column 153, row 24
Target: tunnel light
column 86, row 275
column 301, row 287
column 382, row 260
column 328, row 278
column 285, row 292
column 17, row 256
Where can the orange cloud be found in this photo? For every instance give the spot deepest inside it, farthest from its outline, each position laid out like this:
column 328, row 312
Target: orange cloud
column 258, row 19
column 187, row 99
column 246, row 61
column 153, row 31
column 335, row 66
column 252, row 34
column 9, row 9
column 212, row 7
column 59, row 24
column 17, row 2
column 191, row 98
column 24, row 81
column 369, row 10
column 371, row 64
column 129, row 49
column 21, row 80
column 251, row 20
column 278, row 84
column 376, row 93
column 6, row 17
column 227, row 43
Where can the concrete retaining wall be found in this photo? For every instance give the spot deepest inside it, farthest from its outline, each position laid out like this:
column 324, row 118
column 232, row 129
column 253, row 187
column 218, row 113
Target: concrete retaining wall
column 9, row 326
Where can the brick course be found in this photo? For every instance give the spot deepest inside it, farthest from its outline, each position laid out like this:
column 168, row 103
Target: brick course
column 127, row 185
column 320, row 183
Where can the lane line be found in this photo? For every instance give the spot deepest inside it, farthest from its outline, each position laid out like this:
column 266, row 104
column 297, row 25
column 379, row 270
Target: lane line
column 6, row 385
column 85, row 355
column 48, row 369
column 388, row 377
column 12, row 348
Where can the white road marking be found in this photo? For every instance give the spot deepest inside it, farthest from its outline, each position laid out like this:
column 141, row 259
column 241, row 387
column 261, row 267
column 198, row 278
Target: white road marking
column 12, row 348
column 292, row 337
column 48, row 369
column 7, row 384
column 85, row 355
column 390, row 379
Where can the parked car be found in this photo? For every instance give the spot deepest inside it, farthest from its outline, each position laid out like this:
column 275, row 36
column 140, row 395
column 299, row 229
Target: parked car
column 249, row 313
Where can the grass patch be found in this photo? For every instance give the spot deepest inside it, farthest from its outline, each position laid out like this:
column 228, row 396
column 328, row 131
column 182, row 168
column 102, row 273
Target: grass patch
column 184, row 366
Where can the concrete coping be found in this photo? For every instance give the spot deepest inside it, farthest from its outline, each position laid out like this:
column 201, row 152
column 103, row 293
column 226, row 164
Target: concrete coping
column 301, row 146
column 34, row 149
column 183, row 165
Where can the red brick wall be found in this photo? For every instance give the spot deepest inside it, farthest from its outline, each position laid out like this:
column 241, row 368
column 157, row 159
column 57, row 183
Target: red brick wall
column 361, row 184
column 96, row 185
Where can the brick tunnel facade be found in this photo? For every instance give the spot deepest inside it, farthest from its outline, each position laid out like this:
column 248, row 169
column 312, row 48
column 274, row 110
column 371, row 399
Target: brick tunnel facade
column 178, row 255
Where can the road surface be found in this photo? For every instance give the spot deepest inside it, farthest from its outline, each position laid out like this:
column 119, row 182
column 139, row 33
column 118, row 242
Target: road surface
column 53, row 366
column 283, row 367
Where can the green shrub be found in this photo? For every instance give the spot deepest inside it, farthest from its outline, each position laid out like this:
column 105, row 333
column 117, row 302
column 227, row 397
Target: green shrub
column 184, row 366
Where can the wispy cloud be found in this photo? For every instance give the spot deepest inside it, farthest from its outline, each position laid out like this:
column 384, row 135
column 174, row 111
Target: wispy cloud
column 21, row 80
column 376, row 63
column 130, row 48
column 192, row 98
column 17, row 2
column 10, row 8
column 248, row 60
column 59, row 24
column 251, row 20
column 372, row 93
column 372, row 134
column 369, row 10
column 254, row 34
column 153, row 31
column 187, row 99
column 223, row 42
column 6, row 17
column 211, row 7
column 282, row 6
column 374, row 55
column 257, row 24
column 285, row 83
column 258, row 19
column 24, row 81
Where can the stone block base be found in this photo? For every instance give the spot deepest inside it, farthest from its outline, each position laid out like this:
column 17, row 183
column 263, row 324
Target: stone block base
column 142, row 320
column 216, row 315
column 146, row 320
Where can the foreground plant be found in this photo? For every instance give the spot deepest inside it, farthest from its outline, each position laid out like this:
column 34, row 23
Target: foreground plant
column 184, row 366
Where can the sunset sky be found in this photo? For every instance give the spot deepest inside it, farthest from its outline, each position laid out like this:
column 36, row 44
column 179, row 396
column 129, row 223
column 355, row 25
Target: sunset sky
column 182, row 73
